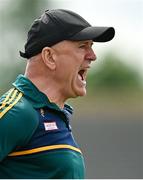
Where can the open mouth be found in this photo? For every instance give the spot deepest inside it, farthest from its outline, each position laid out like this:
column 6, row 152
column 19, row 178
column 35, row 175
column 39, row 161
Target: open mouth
column 82, row 75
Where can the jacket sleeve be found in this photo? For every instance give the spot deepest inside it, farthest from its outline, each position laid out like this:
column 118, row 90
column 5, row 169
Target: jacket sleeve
column 16, row 127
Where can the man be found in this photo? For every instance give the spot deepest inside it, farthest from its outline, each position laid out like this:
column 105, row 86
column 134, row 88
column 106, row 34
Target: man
column 35, row 134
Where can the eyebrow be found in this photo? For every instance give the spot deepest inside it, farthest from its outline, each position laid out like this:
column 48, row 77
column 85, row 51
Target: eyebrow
column 86, row 42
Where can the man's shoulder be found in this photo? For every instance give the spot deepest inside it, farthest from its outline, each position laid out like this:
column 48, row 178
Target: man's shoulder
column 18, row 121
column 13, row 104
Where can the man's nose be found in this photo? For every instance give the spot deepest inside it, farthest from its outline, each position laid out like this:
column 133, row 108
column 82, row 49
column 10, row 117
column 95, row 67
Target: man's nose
column 90, row 55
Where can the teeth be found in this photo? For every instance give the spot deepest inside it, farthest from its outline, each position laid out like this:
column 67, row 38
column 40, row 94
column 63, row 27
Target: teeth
column 84, row 82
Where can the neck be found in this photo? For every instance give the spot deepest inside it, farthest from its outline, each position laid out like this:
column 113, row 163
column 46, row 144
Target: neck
column 49, row 88
column 53, row 94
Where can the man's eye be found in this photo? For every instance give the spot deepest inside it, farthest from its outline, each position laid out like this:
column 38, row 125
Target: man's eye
column 83, row 46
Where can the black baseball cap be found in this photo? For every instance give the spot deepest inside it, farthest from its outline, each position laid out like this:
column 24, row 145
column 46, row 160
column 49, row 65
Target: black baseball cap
column 59, row 24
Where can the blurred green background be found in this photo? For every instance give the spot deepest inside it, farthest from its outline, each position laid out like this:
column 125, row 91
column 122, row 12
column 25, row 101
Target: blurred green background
column 108, row 122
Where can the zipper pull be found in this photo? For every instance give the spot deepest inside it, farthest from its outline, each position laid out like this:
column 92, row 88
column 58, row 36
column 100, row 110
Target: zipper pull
column 42, row 112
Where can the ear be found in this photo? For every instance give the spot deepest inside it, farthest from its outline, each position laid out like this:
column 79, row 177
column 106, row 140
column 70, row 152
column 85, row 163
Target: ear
column 48, row 57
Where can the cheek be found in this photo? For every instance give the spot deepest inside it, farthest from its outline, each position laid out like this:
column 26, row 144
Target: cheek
column 68, row 66
column 64, row 72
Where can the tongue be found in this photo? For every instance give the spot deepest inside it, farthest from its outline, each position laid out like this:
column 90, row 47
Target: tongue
column 80, row 77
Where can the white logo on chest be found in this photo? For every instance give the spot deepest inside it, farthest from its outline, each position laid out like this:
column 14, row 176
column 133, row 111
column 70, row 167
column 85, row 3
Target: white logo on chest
column 50, row 126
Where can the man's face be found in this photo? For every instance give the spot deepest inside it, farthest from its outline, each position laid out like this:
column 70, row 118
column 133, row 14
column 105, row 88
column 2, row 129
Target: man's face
column 73, row 59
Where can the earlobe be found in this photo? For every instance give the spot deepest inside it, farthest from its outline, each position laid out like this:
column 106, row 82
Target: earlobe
column 48, row 58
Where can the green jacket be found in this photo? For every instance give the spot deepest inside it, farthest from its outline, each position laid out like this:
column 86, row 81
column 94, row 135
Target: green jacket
column 36, row 140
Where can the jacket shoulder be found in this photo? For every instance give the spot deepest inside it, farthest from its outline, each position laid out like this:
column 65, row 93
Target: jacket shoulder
column 18, row 121
column 13, row 104
column 8, row 101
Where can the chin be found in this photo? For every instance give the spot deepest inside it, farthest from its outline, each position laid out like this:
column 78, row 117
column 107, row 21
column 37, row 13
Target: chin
column 78, row 91
column 81, row 92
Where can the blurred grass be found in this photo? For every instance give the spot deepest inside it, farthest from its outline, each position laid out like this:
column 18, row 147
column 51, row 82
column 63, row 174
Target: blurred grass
column 114, row 102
